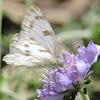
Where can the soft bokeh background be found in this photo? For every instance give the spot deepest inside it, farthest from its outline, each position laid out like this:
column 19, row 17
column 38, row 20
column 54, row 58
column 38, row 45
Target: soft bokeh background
column 75, row 22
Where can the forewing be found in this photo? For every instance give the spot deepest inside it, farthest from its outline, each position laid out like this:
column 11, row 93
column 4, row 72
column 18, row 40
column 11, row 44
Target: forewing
column 37, row 27
column 30, row 54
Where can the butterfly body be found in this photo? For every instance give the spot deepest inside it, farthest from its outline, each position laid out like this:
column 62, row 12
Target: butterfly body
column 36, row 44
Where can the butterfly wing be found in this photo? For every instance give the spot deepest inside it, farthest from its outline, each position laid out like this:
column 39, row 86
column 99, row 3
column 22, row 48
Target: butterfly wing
column 14, row 41
column 36, row 26
column 28, row 53
column 36, row 45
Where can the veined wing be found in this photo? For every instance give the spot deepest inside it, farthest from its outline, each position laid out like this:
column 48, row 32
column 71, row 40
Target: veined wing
column 36, row 45
column 14, row 41
column 26, row 52
column 37, row 27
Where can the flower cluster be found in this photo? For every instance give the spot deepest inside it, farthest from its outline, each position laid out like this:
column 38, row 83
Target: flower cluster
column 63, row 80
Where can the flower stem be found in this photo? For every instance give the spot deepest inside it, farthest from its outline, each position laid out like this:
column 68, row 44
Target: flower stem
column 85, row 96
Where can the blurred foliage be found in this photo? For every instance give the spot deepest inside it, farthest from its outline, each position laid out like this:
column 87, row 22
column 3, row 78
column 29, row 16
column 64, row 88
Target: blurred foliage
column 0, row 34
column 87, row 28
column 28, row 3
column 19, row 77
column 8, row 30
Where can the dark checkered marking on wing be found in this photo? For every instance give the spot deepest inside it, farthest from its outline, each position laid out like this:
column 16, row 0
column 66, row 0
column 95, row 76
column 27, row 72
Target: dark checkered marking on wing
column 46, row 32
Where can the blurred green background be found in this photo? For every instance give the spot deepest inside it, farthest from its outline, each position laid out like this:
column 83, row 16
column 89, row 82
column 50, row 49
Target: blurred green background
column 75, row 22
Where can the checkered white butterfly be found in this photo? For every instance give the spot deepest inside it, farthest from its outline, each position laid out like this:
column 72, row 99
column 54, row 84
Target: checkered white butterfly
column 35, row 45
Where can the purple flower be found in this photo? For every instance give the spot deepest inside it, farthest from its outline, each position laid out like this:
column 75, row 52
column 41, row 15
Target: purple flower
column 90, row 53
column 63, row 80
column 86, row 57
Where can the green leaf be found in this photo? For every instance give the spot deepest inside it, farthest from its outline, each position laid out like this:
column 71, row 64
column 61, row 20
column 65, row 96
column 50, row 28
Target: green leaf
column 84, row 94
column 87, row 81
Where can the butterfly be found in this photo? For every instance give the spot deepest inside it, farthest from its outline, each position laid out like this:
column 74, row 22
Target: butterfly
column 36, row 44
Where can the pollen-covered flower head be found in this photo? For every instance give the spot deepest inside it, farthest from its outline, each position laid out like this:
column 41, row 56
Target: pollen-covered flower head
column 67, row 80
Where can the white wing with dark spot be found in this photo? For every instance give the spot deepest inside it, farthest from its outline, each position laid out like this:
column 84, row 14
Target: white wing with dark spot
column 35, row 25
column 35, row 45
column 31, row 54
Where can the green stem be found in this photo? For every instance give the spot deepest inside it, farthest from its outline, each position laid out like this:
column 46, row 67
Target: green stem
column 0, row 35
column 85, row 96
